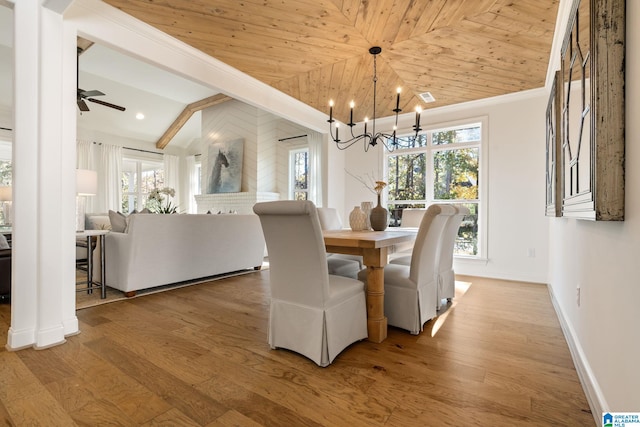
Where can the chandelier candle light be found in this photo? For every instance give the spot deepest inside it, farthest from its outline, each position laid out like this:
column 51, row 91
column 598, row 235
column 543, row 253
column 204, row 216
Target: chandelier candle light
column 390, row 141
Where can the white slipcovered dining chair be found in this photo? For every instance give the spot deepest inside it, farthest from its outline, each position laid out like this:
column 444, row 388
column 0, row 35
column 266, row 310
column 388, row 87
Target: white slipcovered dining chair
column 411, row 218
column 411, row 291
column 312, row 313
column 340, row 264
column 446, row 274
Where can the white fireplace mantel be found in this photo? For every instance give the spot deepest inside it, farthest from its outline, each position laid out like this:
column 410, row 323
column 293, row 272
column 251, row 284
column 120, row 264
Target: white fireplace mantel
column 241, row 203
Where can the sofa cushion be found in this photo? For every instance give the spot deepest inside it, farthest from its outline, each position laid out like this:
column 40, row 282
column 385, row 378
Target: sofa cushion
column 118, row 221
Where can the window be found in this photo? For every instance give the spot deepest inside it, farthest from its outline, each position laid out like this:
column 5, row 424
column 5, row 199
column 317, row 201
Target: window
column 139, row 178
column 5, row 162
column 443, row 166
column 299, row 174
column 5, row 172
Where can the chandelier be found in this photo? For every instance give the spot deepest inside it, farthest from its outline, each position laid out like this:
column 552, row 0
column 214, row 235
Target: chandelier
column 370, row 139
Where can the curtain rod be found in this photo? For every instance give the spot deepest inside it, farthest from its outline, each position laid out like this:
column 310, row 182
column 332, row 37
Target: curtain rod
column 135, row 149
column 292, row 137
column 143, row 151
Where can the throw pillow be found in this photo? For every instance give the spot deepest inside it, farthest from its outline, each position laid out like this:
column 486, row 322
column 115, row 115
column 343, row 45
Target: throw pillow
column 118, row 221
column 99, row 222
column 143, row 211
column 3, row 242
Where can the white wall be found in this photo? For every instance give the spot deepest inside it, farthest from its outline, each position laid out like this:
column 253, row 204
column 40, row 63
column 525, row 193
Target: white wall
column 601, row 257
column 335, row 177
column 266, row 160
column 229, row 121
column 516, row 165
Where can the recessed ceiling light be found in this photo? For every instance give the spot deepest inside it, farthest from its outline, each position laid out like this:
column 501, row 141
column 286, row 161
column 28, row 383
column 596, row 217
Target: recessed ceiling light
column 139, row 116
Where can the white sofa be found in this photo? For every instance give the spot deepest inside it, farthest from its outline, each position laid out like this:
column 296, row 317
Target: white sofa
column 163, row 249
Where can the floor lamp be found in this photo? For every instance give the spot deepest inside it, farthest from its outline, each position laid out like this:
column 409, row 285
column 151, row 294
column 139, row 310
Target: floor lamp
column 5, row 199
column 86, row 185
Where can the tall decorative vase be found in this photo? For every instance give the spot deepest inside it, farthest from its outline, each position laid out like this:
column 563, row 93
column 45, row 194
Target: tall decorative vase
column 366, row 208
column 379, row 217
column 357, row 219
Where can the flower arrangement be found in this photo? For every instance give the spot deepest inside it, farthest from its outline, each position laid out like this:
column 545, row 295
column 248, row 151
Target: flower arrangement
column 379, row 186
column 379, row 216
column 156, row 197
column 371, row 184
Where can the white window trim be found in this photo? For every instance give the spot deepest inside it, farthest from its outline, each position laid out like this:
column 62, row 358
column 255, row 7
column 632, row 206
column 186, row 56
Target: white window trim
column 5, row 149
column 483, row 175
column 139, row 158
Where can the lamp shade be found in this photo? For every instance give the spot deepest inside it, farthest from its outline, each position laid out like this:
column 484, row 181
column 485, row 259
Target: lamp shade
column 5, row 194
column 86, row 182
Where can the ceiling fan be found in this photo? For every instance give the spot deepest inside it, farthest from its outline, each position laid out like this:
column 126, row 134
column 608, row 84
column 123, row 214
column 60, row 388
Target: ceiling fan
column 81, row 94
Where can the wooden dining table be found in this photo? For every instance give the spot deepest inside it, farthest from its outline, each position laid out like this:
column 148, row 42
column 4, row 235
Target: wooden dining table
column 374, row 248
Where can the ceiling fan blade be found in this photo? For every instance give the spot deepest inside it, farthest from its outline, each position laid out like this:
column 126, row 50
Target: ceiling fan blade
column 86, row 93
column 82, row 105
column 106, row 104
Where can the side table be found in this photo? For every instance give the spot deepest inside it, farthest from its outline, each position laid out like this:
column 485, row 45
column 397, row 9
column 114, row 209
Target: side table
column 91, row 283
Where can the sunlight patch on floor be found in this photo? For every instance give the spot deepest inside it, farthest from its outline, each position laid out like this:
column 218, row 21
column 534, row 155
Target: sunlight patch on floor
column 445, row 310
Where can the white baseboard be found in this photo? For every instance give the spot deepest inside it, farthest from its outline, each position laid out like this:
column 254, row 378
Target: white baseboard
column 590, row 385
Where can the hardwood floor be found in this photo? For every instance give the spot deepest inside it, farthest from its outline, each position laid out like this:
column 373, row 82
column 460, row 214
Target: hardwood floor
column 198, row 356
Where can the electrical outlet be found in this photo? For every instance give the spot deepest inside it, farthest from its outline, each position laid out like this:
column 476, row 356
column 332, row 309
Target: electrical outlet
column 531, row 252
column 578, row 295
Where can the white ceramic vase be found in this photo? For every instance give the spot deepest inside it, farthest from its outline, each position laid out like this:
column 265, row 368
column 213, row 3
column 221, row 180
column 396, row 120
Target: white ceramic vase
column 366, row 208
column 357, row 219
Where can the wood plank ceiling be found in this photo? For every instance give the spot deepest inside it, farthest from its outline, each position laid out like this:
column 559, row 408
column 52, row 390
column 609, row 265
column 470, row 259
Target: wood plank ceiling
column 316, row 50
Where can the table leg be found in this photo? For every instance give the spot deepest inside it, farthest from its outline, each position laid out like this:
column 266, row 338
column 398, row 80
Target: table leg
column 376, row 322
column 89, row 266
column 103, row 282
column 375, row 260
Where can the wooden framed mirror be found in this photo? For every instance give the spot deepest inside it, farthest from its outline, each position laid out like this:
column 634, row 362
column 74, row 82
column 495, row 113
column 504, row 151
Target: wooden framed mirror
column 592, row 111
column 553, row 153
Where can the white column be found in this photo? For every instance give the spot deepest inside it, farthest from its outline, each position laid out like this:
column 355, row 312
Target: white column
column 43, row 279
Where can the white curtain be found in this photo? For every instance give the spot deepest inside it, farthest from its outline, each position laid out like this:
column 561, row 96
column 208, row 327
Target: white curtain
column 172, row 175
column 84, row 160
column 314, row 140
column 192, row 172
column 109, row 175
column 172, row 172
column 84, row 155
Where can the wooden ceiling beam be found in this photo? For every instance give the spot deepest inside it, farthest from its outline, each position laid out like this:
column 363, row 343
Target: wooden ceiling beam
column 186, row 114
column 83, row 44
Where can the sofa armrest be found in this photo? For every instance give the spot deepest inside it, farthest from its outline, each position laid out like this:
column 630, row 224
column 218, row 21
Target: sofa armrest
column 117, row 257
